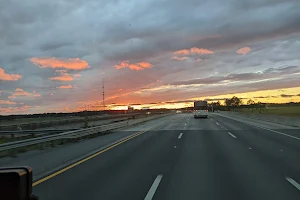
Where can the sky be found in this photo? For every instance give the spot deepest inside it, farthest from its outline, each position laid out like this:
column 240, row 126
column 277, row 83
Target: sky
column 56, row 55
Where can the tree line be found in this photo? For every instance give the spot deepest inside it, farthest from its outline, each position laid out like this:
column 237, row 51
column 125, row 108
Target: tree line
column 235, row 103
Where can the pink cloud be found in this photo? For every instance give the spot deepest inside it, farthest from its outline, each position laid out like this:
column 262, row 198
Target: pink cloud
column 62, row 78
column 20, row 92
column 182, row 52
column 8, row 77
column 5, row 102
column 137, row 66
column 14, row 109
column 61, row 71
column 201, row 51
column 36, row 95
column 243, row 50
column 193, row 50
column 65, row 87
column 71, row 63
column 77, row 75
column 180, row 58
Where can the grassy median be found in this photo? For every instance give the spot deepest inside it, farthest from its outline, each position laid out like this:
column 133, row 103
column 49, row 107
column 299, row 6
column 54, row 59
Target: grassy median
column 289, row 111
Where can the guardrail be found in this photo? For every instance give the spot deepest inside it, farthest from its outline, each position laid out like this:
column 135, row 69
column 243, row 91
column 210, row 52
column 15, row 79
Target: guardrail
column 34, row 132
column 74, row 134
column 70, row 121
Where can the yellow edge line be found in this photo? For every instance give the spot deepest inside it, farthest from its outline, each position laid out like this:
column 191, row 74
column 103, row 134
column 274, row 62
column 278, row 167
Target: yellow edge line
column 87, row 158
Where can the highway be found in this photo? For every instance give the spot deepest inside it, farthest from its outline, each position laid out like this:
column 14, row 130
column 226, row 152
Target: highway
column 179, row 157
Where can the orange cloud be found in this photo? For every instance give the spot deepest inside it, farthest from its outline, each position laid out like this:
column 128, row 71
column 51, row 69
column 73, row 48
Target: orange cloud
column 180, row 58
column 8, row 77
column 71, row 63
column 243, row 50
column 36, row 95
column 65, row 86
column 66, row 77
column 182, row 52
column 193, row 50
column 138, row 66
column 21, row 92
column 14, row 109
column 201, row 51
column 5, row 102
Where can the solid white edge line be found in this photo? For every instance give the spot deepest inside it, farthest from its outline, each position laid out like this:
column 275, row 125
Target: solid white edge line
column 153, row 188
column 263, row 128
column 293, row 182
column 231, row 135
column 180, row 135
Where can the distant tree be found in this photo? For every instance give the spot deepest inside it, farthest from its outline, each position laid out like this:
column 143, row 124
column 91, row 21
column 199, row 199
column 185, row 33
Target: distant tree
column 228, row 103
column 251, row 104
column 259, row 106
column 217, row 104
column 235, row 102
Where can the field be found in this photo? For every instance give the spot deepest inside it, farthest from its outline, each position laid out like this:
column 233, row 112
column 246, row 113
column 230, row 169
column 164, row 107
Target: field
column 290, row 111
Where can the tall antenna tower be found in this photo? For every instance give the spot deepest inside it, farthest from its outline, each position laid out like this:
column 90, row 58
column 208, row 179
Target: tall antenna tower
column 103, row 94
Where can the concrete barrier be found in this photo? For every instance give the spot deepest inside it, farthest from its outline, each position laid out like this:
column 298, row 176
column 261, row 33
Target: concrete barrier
column 290, row 121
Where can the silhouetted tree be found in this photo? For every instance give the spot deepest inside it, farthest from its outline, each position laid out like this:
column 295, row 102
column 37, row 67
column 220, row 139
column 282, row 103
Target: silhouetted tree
column 228, row 103
column 251, row 104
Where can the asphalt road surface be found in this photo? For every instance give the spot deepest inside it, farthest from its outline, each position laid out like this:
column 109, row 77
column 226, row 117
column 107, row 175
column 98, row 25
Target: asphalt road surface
column 186, row 158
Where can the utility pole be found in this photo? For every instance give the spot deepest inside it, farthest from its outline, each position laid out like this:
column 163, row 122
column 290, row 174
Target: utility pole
column 103, row 95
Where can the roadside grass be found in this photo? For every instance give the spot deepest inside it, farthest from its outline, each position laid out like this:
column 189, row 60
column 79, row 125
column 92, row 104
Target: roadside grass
column 290, row 111
column 35, row 120
column 5, row 139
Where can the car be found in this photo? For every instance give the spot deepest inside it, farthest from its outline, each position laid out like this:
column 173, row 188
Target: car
column 200, row 113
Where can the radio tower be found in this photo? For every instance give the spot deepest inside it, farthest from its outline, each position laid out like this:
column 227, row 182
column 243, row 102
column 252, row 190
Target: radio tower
column 103, row 95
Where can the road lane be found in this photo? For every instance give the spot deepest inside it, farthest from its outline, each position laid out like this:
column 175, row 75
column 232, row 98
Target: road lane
column 206, row 162
column 213, row 165
column 278, row 151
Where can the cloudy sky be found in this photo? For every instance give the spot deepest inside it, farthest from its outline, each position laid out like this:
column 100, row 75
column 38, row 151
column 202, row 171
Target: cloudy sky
column 159, row 53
